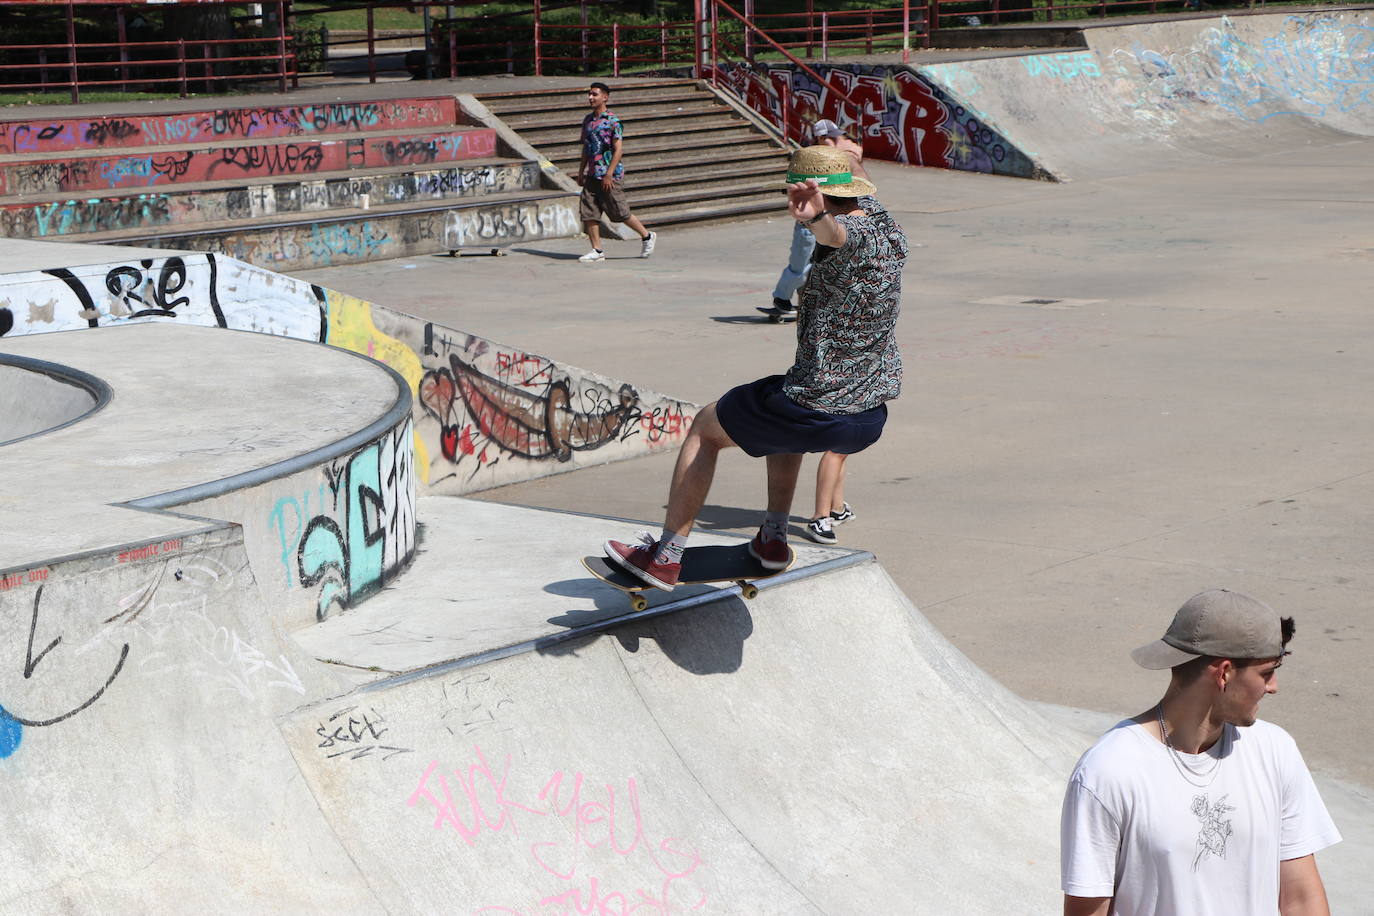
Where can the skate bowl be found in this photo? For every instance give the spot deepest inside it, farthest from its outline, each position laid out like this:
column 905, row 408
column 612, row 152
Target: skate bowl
column 37, row 396
column 178, row 729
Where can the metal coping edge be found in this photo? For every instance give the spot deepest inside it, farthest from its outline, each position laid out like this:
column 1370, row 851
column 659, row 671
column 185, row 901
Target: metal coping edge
column 95, row 387
column 398, row 411
column 593, row 629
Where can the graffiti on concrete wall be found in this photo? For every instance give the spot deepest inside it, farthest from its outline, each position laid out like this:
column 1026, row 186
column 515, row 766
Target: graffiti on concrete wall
column 484, row 415
column 229, row 163
column 66, row 134
column 1315, row 66
column 304, row 244
column 190, row 288
column 907, row 117
column 140, row 211
column 151, row 611
column 504, row 224
column 354, row 530
column 492, row 404
column 576, row 830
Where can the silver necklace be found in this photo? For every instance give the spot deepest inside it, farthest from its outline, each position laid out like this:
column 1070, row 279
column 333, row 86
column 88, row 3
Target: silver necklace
column 1185, row 769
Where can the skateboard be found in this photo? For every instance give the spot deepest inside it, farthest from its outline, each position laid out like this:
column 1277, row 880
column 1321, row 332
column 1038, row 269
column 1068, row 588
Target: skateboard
column 494, row 252
column 700, row 566
column 777, row 315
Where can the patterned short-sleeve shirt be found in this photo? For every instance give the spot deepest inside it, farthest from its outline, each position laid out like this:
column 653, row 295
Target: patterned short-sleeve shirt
column 847, row 358
column 599, row 133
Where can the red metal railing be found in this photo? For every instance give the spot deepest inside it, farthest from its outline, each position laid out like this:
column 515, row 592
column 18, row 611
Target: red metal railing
column 732, row 61
column 74, row 65
column 853, row 31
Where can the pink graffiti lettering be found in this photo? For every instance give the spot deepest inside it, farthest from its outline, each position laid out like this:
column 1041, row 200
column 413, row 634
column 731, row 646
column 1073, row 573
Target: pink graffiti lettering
column 605, row 820
column 479, row 776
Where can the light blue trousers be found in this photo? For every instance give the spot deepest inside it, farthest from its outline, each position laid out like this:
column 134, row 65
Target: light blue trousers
column 798, row 262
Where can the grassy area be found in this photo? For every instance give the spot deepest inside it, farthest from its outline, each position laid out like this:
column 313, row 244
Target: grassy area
column 389, row 18
column 12, row 99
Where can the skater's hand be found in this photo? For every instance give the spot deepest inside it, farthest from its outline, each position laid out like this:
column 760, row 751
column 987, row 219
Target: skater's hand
column 607, row 183
column 805, row 200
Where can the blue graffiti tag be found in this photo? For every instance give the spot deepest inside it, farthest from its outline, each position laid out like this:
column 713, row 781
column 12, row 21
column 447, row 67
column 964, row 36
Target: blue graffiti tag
column 11, row 734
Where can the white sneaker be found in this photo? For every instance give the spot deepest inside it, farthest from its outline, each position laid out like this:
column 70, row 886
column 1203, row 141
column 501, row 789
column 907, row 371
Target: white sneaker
column 594, row 255
column 820, row 530
column 646, row 245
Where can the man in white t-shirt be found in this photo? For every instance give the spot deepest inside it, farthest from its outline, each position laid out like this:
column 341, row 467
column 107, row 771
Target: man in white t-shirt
column 1195, row 807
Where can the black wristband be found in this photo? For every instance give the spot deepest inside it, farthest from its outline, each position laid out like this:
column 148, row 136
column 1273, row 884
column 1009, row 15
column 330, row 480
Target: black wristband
column 818, row 217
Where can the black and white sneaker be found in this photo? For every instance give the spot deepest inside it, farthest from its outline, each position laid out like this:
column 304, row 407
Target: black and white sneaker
column 844, row 515
column 820, row 530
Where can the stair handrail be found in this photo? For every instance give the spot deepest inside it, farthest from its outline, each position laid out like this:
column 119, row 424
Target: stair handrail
column 752, row 28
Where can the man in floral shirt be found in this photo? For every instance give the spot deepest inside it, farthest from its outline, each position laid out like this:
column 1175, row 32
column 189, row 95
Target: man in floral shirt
column 602, row 176
column 833, row 399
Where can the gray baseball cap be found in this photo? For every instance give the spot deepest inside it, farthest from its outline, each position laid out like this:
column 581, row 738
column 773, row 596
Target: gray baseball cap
column 826, row 128
column 1219, row 623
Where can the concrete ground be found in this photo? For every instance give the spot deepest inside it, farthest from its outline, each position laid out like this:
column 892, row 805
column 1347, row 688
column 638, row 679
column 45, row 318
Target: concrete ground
column 1117, row 393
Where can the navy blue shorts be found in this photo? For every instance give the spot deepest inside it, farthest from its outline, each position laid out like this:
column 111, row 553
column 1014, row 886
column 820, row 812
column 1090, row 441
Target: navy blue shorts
column 764, row 421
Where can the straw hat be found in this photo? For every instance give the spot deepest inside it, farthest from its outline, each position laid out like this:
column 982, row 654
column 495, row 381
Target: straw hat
column 832, row 169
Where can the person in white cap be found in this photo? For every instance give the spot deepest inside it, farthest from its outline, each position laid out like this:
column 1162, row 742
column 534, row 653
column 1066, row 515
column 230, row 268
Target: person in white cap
column 823, row 133
column 1196, row 806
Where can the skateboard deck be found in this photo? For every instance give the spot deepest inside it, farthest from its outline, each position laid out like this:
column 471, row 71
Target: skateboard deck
column 700, row 566
column 777, row 315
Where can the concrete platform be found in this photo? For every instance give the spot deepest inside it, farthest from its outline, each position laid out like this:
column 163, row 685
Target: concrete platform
column 216, row 382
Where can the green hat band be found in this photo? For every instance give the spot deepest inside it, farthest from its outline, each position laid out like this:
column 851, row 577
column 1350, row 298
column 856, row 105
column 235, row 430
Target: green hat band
column 828, row 178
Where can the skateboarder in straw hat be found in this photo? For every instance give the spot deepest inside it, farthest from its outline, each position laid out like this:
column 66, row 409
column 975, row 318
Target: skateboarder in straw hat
column 834, row 396
column 1196, row 807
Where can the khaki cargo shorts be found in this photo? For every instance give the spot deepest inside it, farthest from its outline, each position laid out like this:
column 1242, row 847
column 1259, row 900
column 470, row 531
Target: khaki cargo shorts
column 596, row 200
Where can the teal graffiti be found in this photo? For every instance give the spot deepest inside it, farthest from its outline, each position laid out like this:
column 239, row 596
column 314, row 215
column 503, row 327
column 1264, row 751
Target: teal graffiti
column 1065, row 65
column 342, row 549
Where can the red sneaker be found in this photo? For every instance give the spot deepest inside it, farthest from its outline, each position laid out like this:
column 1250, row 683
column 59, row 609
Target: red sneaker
column 773, row 554
column 640, row 560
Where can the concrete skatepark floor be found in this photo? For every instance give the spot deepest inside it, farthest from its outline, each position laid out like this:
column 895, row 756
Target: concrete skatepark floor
column 1117, row 392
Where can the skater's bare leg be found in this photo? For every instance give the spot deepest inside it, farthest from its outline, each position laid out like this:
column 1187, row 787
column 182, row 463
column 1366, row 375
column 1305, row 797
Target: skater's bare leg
column 829, row 484
column 695, row 468
column 783, row 471
column 593, row 232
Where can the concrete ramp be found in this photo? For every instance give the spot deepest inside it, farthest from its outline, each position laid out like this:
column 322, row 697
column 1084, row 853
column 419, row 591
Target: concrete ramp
column 1174, row 93
column 820, row 749
column 140, row 769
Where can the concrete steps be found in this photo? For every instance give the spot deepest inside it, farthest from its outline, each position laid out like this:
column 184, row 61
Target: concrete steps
column 200, row 203
column 279, row 185
column 688, row 155
column 347, row 235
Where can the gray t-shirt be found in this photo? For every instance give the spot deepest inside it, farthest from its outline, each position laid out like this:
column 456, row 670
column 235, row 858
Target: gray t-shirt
column 847, row 358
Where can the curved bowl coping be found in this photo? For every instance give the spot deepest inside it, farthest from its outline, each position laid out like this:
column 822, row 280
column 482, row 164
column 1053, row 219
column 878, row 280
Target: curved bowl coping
column 844, row 561
column 397, row 413
column 96, row 388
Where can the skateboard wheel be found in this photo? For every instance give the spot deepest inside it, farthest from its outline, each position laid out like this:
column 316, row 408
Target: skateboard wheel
column 639, row 602
column 749, row 590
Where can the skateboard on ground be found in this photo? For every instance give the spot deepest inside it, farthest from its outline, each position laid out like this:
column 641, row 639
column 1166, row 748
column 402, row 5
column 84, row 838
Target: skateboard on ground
column 700, row 566
column 777, row 315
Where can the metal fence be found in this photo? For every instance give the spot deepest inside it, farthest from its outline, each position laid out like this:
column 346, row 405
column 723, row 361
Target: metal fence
column 66, row 48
